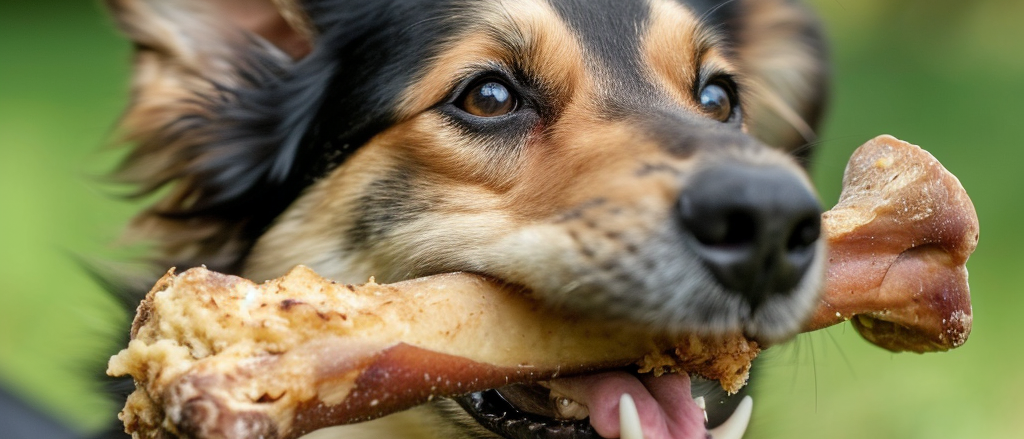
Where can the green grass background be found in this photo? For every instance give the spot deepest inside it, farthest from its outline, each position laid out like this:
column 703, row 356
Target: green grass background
column 947, row 75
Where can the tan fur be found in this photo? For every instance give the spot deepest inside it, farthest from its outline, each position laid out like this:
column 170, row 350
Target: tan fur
column 674, row 44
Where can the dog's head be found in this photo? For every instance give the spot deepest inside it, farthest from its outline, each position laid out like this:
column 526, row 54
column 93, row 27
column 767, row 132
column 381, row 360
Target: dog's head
column 627, row 159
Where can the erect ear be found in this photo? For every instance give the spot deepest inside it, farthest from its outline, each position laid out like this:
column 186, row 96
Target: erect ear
column 208, row 118
column 781, row 49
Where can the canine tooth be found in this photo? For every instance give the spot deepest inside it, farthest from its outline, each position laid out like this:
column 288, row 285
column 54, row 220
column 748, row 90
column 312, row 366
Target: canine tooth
column 629, row 419
column 736, row 425
column 703, row 407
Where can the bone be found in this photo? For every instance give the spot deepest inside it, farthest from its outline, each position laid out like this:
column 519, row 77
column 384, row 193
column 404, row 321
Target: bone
column 898, row 240
column 217, row 356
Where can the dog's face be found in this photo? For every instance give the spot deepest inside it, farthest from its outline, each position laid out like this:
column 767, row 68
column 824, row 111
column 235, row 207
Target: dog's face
column 610, row 156
column 562, row 146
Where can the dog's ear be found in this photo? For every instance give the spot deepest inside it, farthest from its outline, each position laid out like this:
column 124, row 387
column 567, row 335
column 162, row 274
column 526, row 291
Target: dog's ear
column 781, row 48
column 205, row 37
column 210, row 128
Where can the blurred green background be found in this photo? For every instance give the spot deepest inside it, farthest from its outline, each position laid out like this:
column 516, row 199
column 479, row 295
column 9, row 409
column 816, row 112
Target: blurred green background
column 944, row 74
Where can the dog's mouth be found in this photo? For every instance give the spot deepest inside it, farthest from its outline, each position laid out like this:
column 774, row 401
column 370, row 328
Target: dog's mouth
column 592, row 406
column 610, row 404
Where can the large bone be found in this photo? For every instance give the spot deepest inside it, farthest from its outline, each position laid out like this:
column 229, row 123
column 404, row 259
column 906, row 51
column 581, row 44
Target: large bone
column 899, row 239
column 217, row 356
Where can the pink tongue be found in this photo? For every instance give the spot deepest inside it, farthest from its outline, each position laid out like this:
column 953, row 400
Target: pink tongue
column 667, row 411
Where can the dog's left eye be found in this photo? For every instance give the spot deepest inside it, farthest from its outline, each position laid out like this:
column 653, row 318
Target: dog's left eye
column 718, row 99
column 488, row 98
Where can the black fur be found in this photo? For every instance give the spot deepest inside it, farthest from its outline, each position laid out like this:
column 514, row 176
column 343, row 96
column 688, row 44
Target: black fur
column 386, row 203
column 618, row 51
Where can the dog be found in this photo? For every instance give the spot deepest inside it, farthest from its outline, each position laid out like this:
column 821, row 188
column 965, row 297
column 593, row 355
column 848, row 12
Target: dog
column 635, row 160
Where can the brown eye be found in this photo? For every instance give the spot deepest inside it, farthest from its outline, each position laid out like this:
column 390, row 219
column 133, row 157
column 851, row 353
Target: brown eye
column 716, row 99
column 488, row 99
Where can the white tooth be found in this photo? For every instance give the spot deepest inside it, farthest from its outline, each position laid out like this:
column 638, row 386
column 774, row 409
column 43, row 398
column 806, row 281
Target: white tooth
column 569, row 409
column 565, row 406
column 736, row 425
column 703, row 407
column 629, row 419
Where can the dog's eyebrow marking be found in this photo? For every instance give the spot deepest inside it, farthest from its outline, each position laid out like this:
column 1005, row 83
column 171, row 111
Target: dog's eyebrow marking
column 523, row 35
column 677, row 46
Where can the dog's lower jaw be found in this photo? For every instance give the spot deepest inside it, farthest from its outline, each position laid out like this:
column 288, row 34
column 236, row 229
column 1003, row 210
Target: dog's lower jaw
column 439, row 419
column 446, row 419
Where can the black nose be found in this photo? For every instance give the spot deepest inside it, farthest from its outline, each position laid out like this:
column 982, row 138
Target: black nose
column 754, row 227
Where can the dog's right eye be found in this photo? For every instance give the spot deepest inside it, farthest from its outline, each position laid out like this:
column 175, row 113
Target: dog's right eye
column 488, row 98
column 718, row 99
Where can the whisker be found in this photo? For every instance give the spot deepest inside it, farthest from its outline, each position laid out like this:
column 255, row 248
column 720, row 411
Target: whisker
column 804, row 159
column 814, row 372
column 839, row 348
column 424, row 21
column 703, row 17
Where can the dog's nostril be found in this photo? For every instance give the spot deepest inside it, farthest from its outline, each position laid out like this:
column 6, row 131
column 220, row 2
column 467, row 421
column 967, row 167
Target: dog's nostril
column 753, row 227
column 733, row 229
column 805, row 234
column 740, row 229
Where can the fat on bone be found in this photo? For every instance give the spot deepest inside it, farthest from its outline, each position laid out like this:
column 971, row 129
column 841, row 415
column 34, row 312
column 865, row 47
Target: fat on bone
column 899, row 240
